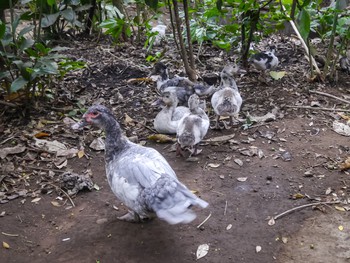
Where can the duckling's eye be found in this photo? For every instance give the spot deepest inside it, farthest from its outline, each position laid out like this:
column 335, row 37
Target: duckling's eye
column 224, row 77
column 94, row 113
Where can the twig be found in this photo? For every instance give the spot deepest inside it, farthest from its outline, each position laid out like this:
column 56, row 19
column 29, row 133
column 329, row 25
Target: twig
column 64, row 192
column 317, row 108
column 45, row 169
column 329, row 95
column 225, row 208
column 9, row 235
column 303, row 43
column 303, row 206
column 205, row 220
column 8, row 104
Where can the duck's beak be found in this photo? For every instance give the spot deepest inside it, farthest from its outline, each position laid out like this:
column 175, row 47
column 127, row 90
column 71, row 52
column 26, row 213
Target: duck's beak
column 79, row 125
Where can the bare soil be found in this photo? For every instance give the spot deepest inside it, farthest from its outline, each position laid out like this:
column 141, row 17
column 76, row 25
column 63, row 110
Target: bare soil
column 299, row 165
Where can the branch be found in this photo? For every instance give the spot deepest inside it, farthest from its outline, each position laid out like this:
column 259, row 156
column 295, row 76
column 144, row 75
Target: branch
column 329, row 95
column 317, row 108
column 303, row 43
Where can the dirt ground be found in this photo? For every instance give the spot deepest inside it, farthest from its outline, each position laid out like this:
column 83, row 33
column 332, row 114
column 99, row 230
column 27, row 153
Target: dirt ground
column 261, row 172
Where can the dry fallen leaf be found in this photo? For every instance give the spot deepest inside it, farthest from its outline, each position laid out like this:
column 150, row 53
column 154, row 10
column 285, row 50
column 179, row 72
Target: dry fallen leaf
column 128, row 120
column 341, row 228
column 12, row 150
column 276, row 75
column 328, row 191
column 5, row 245
column 161, row 138
column 55, row 203
column 238, row 161
column 213, row 165
column 271, row 221
column 242, row 179
column 298, row 196
column 36, row 200
column 229, row 227
column 98, row 144
column 202, row 251
column 41, row 135
column 81, row 153
column 345, row 165
column 258, row 249
column 339, row 208
column 284, row 240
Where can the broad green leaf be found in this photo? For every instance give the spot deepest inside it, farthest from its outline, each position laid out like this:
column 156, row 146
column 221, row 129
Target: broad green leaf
column 68, row 14
column 49, row 20
column 51, row 2
column 222, row 44
column 18, row 84
column 2, row 29
column 25, row 30
column 304, row 24
column 26, row 43
column 152, row 3
column 5, row 74
column 276, row 75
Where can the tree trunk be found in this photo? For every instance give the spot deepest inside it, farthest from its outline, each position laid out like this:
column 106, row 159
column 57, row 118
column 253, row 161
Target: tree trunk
column 90, row 17
column 190, row 72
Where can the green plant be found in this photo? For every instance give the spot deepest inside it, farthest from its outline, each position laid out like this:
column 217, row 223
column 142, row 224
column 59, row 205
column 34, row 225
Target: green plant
column 29, row 66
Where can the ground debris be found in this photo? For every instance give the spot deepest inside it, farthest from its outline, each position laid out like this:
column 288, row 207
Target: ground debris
column 73, row 182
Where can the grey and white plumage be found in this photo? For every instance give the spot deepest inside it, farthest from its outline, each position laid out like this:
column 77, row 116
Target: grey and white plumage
column 344, row 62
column 139, row 176
column 265, row 60
column 227, row 100
column 183, row 87
column 168, row 118
column 193, row 127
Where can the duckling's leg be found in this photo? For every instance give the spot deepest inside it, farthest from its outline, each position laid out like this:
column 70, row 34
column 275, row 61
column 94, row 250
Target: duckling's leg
column 216, row 126
column 179, row 151
column 195, row 151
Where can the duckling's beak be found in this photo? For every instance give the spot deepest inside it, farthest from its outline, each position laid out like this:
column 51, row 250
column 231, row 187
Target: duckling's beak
column 158, row 102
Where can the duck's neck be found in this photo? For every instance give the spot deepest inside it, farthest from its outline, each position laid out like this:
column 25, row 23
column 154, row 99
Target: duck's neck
column 115, row 141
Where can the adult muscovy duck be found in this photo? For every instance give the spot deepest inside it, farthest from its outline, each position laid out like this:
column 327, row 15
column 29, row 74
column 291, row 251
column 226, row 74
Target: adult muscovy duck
column 140, row 176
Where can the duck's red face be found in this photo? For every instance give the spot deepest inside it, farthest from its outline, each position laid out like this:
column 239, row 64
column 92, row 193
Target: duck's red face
column 91, row 115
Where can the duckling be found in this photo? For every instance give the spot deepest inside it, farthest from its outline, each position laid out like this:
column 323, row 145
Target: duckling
column 183, row 87
column 345, row 62
column 168, row 118
column 192, row 128
column 265, row 60
column 227, row 100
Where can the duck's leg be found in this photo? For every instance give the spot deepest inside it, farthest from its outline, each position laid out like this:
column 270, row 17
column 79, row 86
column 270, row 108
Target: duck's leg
column 195, row 151
column 133, row 217
column 227, row 127
column 179, row 151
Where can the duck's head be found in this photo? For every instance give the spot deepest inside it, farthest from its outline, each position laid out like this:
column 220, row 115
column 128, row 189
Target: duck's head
column 193, row 101
column 96, row 115
column 273, row 49
column 169, row 98
column 161, row 70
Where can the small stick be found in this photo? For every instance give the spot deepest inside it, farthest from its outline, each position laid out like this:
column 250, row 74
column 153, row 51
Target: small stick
column 303, row 206
column 205, row 220
column 225, row 208
column 329, row 95
column 45, row 169
column 64, row 192
column 317, row 108
column 9, row 235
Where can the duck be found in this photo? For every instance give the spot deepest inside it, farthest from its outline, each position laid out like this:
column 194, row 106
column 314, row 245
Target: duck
column 192, row 128
column 226, row 100
column 344, row 62
column 168, row 118
column 265, row 60
column 183, row 87
column 140, row 176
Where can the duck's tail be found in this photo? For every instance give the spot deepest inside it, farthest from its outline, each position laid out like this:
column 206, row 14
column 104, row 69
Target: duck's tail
column 171, row 201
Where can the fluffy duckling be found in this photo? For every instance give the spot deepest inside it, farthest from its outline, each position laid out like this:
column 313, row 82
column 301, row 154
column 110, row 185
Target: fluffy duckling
column 183, row 87
column 227, row 100
column 265, row 60
column 168, row 118
column 192, row 128
column 345, row 62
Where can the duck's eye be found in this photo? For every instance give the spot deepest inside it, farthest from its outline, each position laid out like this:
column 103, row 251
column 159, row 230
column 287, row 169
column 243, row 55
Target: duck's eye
column 94, row 113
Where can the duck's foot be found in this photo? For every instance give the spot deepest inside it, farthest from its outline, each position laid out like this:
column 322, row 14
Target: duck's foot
column 179, row 151
column 195, row 151
column 227, row 126
column 133, row 217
